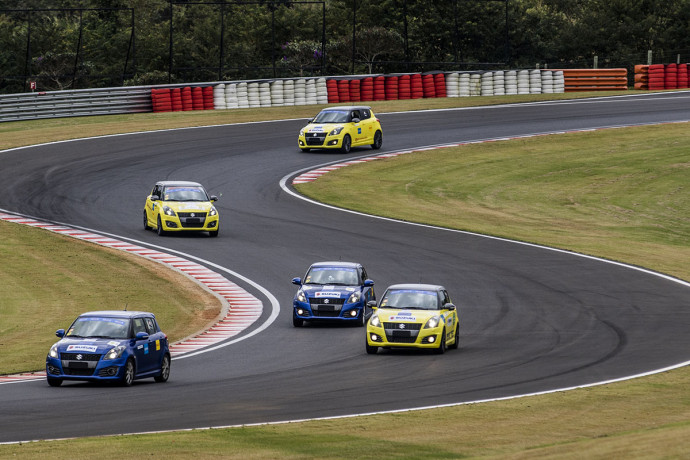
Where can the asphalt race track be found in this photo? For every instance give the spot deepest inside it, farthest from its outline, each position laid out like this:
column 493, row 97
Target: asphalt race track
column 532, row 319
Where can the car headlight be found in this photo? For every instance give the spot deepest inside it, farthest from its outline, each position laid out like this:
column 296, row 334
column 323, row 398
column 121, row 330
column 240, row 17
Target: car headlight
column 432, row 322
column 354, row 298
column 115, row 352
column 336, row 131
column 375, row 321
column 53, row 353
column 301, row 297
column 168, row 211
column 213, row 212
column 301, row 131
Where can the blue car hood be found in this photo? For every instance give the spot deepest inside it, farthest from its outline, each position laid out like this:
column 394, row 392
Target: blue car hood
column 329, row 291
column 79, row 345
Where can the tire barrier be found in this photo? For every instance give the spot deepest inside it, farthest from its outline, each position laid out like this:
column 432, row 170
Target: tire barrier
column 661, row 76
column 336, row 90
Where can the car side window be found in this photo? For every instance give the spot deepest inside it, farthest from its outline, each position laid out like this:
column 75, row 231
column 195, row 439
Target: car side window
column 446, row 298
column 364, row 275
column 355, row 114
column 138, row 325
column 150, row 326
column 365, row 115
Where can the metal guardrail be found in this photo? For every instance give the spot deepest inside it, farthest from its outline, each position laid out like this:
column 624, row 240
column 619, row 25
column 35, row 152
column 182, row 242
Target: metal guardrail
column 75, row 103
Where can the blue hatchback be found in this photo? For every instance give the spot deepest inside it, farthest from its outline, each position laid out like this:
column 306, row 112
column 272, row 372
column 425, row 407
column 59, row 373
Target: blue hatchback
column 116, row 346
column 333, row 291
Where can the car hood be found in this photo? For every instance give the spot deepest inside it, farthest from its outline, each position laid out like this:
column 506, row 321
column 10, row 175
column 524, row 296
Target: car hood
column 329, row 291
column 321, row 127
column 78, row 345
column 395, row 315
column 189, row 206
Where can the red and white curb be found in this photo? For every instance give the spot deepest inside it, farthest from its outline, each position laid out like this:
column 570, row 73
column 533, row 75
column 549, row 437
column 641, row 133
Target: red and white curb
column 242, row 308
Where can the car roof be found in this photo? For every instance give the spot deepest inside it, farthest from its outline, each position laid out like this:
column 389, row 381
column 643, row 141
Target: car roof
column 117, row 313
column 178, row 182
column 337, row 264
column 418, row 287
column 347, row 108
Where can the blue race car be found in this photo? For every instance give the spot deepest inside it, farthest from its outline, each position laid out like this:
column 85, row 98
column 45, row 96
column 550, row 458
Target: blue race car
column 333, row 291
column 116, row 346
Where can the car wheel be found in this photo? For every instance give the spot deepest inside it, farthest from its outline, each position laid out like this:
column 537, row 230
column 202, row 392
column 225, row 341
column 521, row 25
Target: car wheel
column 456, row 343
column 442, row 343
column 54, row 382
column 146, row 222
column 378, row 140
column 160, row 230
column 127, row 374
column 362, row 321
column 297, row 322
column 347, row 144
column 370, row 350
column 165, row 370
column 213, row 234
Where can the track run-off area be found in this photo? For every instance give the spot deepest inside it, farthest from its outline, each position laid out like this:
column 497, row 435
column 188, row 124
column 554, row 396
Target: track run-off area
column 533, row 319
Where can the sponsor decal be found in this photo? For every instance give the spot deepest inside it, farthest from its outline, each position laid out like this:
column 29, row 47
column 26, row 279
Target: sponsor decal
column 188, row 206
column 403, row 316
column 316, row 129
column 328, row 294
column 359, row 130
column 113, row 343
column 86, row 348
column 158, row 345
column 146, row 349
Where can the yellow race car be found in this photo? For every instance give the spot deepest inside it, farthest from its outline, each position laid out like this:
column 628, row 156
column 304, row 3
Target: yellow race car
column 181, row 206
column 342, row 128
column 413, row 316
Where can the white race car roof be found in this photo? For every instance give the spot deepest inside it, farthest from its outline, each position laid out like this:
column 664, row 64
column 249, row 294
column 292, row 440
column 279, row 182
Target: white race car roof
column 178, row 182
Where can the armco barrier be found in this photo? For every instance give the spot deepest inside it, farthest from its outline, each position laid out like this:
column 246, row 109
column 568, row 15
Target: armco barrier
column 595, row 79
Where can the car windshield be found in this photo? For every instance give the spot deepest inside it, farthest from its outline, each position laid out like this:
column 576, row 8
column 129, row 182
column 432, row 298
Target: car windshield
column 410, row 299
column 101, row 327
column 178, row 193
column 332, row 116
column 332, row 275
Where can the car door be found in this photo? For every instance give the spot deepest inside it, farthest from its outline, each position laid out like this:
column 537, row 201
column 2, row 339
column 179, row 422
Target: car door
column 359, row 131
column 368, row 126
column 156, row 342
column 451, row 316
column 152, row 206
column 142, row 347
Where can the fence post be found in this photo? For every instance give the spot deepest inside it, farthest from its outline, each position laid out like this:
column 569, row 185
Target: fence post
column 649, row 57
column 596, row 62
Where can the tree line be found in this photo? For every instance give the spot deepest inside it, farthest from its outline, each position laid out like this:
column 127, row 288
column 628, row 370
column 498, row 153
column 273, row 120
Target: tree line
column 65, row 44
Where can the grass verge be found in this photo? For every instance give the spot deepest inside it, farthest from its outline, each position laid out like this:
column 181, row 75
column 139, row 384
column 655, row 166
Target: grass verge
column 645, row 418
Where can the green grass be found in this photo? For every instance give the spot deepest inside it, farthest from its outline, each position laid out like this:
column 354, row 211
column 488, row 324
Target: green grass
column 47, row 280
column 606, row 193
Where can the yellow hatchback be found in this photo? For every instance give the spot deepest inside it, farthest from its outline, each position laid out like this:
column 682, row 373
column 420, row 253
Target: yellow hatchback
column 413, row 316
column 342, row 128
column 181, row 206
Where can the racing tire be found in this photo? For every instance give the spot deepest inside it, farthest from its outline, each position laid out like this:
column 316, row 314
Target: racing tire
column 213, row 234
column 442, row 343
column 347, row 144
column 378, row 140
column 370, row 349
column 54, row 382
column 146, row 222
column 159, row 229
column 165, row 370
column 456, row 343
column 297, row 322
column 127, row 374
column 362, row 320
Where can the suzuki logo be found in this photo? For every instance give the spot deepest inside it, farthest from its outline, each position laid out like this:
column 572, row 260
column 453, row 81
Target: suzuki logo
column 193, row 215
column 326, row 300
column 79, row 357
column 402, row 326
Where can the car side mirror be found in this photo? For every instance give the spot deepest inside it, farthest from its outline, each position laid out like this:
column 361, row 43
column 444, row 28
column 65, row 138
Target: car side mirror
column 371, row 304
column 214, row 198
column 141, row 336
column 60, row 333
column 297, row 281
column 356, row 120
column 368, row 282
column 449, row 306
column 155, row 198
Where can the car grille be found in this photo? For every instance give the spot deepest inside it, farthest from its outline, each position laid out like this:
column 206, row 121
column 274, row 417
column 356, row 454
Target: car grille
column 80, row 372
column 402, row 332
column 192, row 219
column 319, row 307
column 84, row 357
column 320, row 301
column 315, row 138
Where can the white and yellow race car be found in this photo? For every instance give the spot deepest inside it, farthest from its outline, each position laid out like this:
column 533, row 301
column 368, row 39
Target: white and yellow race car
column 342, row 128
column 413, row 316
